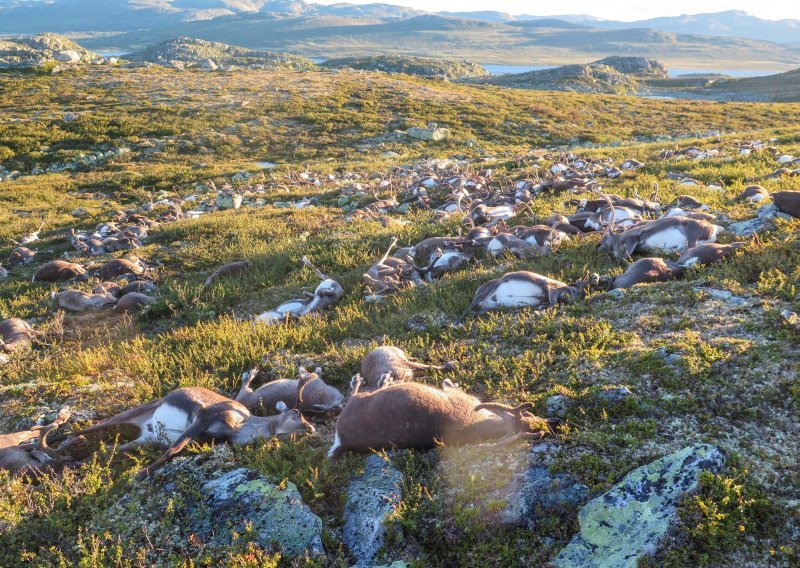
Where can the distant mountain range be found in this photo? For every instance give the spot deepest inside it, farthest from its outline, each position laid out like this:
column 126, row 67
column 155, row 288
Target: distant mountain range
column 729, row 39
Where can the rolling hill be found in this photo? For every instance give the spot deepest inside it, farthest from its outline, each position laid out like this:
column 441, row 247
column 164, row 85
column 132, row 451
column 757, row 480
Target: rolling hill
column 554, row 43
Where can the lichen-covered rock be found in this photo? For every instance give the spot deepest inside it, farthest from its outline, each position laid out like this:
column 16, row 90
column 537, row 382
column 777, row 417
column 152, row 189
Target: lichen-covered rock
column 748, row 228
column 433, row 133
column 370, row 500
column 537, row 491
column 628, row 522
column 206, row 496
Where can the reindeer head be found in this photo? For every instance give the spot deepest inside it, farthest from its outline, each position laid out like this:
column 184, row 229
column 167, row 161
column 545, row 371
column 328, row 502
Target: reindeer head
column 291, row 422
column 520, row 423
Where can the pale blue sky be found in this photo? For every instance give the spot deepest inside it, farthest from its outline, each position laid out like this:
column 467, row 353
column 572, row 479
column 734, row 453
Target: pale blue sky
column 609, row 9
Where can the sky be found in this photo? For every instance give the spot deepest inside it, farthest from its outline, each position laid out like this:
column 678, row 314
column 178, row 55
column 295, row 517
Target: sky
column 625, row 10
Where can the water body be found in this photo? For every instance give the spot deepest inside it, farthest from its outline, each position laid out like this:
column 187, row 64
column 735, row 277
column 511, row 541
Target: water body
column 112, row 53
column 673, row 72
column 506, row 69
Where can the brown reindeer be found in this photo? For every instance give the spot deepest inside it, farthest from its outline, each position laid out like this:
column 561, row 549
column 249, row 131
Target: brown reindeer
column 413, row 415
column 392, row 361
column 60, row 270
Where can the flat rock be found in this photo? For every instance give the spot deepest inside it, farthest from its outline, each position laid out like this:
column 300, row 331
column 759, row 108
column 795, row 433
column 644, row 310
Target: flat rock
column 206, row 496
column 370, row 500
column 629, row 521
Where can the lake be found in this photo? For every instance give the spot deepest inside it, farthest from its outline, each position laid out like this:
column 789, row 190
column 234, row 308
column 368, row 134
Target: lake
column 673, row 72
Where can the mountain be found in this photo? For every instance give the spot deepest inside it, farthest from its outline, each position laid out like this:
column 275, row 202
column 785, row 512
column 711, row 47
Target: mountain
column 732, row 23
column 348, row 30
column 485, row 16
column 330, row 36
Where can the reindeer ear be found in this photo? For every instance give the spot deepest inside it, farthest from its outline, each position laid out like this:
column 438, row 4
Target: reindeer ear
column 281, row 407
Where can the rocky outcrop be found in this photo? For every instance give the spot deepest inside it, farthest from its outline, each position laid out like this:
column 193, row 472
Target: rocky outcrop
column 41, row 50
column 419, row 66
column 370, row 500
column 590, row 78
column 629, row 521
column 191, row 53
column 639, row 66
column 211, row 499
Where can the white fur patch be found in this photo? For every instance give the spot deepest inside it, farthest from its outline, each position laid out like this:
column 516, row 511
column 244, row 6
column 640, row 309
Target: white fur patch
column 691, row 261
column 337, row 443
column 516, row 294
column 671, row 239
column 167, row 423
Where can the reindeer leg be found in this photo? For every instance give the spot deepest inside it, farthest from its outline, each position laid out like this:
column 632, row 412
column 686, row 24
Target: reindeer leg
column 314, row 269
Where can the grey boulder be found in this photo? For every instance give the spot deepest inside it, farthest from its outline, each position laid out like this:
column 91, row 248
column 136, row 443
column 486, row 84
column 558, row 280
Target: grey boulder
column 370, row 500
column 629, row 521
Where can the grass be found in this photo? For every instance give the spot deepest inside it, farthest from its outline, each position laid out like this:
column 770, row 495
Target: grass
column 701, row 369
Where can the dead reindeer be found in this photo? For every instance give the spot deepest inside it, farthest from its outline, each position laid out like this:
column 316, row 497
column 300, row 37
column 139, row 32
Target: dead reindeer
column 667, row 234
column 286, row 311
column 227, row 270
column 425, row 249
column 393, row 361
column 328, row 293
column 523, row 290
column 511, row 244
column 594, row 205
column 18, row 455
column 562, row 224
column 443, row 262
column 643, row 271
column 391, row 274
column 121, row 267
column 542, row 237
column 138, row 286
column 690, row 214
column 198, row 414
column 623, row 217
column 308, row 393
column 490, row 215
column 787, row 202
column 21, row 255
column 707, row 254
column 80, row 301
column 15, row 335
column 689, row 202
column 60, row 270
column 31, row 238
column 108, row 289
column 752, row 193
column 133, row 302
column 3, row 273
column 413, row 415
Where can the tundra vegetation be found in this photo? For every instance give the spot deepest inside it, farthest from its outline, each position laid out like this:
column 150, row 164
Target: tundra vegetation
column 707, row 357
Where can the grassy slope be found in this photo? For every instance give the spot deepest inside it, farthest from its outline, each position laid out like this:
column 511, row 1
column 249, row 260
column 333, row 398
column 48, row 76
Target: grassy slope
column 735, row 383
